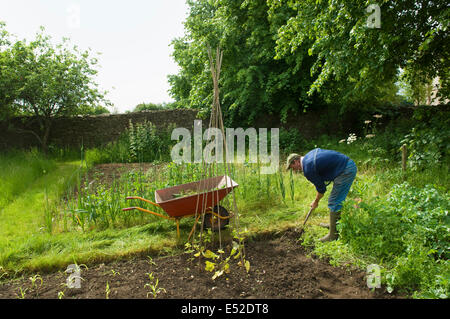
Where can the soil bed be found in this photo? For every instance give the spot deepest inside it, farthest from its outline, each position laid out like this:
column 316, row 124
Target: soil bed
column 280, row 268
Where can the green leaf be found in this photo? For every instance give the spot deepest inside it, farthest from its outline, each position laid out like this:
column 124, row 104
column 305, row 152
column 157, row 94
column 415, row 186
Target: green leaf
column 209, row 266
column 209, row 254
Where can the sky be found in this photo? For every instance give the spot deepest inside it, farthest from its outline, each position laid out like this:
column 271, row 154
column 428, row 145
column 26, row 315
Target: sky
column 132, row 36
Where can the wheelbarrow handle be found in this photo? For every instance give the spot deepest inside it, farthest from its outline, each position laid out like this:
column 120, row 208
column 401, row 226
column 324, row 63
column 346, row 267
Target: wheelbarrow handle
column 146, row 211
column 143, row 199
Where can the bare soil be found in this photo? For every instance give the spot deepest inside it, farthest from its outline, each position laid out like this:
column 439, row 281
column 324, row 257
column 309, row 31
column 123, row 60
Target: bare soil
column 280, row 268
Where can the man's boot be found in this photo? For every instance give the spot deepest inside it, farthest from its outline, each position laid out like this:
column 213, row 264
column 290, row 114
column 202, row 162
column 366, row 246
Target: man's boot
column 332, row 234
column 327, row 225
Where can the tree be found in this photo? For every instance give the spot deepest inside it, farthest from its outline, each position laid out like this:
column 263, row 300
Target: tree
column 252, row 82
column 97, row 110
column 8, row 79
column 153, row 106
column 353, row 59
column 49, row 81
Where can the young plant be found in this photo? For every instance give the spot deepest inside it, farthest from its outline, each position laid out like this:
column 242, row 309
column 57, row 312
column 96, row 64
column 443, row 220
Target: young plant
column 3, row 272
column 153, row 285
column 34, row 279
column 22, row 292
column 107, row 290
column 150, row 261
column 155, row 290
column 114, row 273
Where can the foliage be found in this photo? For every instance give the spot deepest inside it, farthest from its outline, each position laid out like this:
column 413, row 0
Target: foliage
column 355, row 60
column 152, row 106
column 147, row 143
column 46, row 80
column 409, row 232
column 281, row 57
column 428, row 142
column 252, row 82
column 417, row 88
column 291, row 141
column 141, row 142
column 97, row 110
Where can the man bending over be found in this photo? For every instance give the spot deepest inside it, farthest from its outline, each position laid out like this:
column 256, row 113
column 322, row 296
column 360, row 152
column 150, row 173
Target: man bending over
column 321, row 167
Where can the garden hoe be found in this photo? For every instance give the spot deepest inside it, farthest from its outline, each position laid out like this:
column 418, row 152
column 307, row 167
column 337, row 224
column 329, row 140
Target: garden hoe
column 302, row 230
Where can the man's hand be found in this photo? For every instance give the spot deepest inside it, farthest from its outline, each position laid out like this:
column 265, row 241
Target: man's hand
column 315, row 203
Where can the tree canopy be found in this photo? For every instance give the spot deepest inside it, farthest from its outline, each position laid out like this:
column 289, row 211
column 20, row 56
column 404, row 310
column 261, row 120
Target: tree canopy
column 252, row 81
column 359, row 57
column 283, row 56
column 46, row 80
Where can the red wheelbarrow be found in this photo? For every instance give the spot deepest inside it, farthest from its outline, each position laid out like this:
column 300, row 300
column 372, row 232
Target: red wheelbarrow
column 193, row 199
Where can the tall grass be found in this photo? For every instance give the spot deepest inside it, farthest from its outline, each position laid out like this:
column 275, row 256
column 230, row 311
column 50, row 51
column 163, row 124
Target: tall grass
column 99, row 206
column 19, row 170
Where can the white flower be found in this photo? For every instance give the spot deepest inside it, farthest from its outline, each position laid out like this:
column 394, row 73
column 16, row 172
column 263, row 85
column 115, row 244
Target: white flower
column 342, row 141
column 378, row 116
column 351, row 138
column 367, row 122
column 370, row 135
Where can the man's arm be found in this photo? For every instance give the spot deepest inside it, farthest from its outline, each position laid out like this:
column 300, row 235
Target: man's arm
column 315, row 203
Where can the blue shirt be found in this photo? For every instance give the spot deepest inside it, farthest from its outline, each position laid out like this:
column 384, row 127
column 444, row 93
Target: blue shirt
column 321, row 166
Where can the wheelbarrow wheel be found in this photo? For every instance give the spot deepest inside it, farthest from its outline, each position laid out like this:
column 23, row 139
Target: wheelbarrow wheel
column 214, row 222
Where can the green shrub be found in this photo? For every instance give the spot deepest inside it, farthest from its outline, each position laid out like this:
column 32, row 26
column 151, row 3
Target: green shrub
column 409, row 232
column 141, row 142
column 291, row 141
column 428, row 141
column 147, row 143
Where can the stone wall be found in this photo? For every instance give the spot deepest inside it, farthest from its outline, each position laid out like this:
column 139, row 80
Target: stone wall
column 88, row 131
column 91, row 131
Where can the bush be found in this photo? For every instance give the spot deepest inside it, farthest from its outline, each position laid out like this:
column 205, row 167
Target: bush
column 429, row 141
column 291, row 141
column 113, row 152
column 409, row 232
column 147, row 143
column 141, row 142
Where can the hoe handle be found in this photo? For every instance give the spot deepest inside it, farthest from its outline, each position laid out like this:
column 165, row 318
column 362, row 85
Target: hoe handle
column 306, row 219
column 307, row 216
